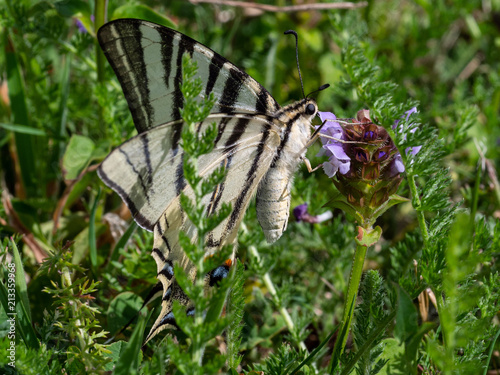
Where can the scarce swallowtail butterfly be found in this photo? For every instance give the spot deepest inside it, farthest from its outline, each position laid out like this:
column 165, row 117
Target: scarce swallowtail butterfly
column 259, row 142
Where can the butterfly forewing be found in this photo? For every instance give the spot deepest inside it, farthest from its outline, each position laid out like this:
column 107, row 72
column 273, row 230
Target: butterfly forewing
column 259, row 144
column 147, row 59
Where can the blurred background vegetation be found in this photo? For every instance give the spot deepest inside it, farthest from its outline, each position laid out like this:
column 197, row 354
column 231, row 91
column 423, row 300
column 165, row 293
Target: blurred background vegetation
column 60, row 114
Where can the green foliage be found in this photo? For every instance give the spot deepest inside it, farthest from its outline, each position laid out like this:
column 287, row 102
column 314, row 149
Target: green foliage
column 370, row 313
column 431, row 306
column 235, row 308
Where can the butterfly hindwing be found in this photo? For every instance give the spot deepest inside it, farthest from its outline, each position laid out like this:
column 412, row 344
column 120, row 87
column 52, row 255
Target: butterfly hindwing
column 249, row 157
column 146, row 171
column 147, row 58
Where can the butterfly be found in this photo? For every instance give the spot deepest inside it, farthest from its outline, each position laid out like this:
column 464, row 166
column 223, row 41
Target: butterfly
column 260, row 144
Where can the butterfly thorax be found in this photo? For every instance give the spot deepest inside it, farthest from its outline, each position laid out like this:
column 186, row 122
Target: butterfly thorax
column 273, row 194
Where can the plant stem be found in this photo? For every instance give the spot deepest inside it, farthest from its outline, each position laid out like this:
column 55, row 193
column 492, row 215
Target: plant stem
column 272, row 291
column 80, row 332
column 352, row 292
column 99, row 20
column 417, row 204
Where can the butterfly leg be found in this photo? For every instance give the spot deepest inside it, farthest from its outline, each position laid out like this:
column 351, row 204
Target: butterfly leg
column 310, row 169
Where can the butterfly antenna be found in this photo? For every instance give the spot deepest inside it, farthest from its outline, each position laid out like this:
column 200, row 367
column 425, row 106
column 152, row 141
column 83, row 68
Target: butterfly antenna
column 321, row 88
column 297, row 57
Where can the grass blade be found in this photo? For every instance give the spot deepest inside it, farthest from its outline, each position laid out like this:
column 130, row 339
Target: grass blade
column 314, row 352
column 21, row 287
column 130, row 359
column 23, row 129
column 123, row 241
column 20, row 312
column 24, row 142
column 490, row 352
column 92, row 236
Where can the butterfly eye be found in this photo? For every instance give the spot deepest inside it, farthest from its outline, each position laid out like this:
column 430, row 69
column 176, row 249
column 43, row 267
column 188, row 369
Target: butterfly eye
column 310, row 109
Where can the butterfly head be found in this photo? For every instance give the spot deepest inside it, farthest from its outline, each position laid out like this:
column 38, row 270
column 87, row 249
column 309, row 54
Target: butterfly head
column 308, row 109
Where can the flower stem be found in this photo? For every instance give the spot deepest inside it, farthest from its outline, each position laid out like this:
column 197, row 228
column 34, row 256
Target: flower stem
column 352, row 292
column 417, row 204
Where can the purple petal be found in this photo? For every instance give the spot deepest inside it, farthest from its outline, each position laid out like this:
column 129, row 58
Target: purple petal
column 300, row 211
column 327, row 116
column 80, row 26
column 336, row 150
column 344, row 166
column 330, row 169
column 413, row 150
column 411, row 111
column 397, row 166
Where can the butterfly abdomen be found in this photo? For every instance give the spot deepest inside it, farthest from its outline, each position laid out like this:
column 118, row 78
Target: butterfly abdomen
column 273, row 194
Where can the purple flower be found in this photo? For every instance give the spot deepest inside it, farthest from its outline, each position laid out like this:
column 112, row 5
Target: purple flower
column 363, row 161
column 338, row 161
column 301, row 214
column 81, row 26
column 413, row 150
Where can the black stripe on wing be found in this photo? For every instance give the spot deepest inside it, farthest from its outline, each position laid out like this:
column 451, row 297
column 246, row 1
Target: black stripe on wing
column 232, row 88
column 245, row 194
column 285, row 138
column 138, row 217
column 214, row 69
column 251, row 174
column 126, row 56
column 230, row 147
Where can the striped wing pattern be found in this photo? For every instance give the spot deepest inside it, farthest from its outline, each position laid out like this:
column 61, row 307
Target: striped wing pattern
column 147, row 61
column 257, row 141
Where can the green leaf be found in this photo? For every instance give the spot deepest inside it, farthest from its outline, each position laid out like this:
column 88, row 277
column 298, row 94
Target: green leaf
column 340, row 202
column 367, row 237
column 23, row 129
column 311, row 356
column 218, row 299
column 72, row 8
column 131, row 356
column 406, row 317
column 413, row 342
column 142, row 12
column 81, row 245
column 123, row 308
column 234, row 311
column 77, row 156
column 116, row 350
column 337, row 349
column 490, row 351
column 393, row 200
column 393, row 352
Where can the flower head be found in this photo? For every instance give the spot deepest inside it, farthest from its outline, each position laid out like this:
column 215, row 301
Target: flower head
column 362, row 157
